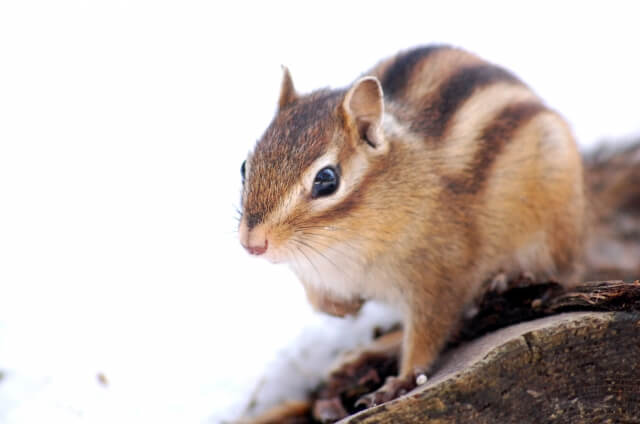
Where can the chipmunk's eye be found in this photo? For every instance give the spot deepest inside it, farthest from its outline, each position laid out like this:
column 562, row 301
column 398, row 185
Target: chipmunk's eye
column 325, row 183
column 243, row 170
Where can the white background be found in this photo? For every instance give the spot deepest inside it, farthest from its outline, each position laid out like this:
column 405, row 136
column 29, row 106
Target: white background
column 122, row 129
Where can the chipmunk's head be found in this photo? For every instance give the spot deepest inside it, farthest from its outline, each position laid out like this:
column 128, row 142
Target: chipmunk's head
column 305, row 184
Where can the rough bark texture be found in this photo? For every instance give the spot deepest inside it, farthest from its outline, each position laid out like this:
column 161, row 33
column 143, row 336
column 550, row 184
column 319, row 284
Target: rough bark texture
column 570, row 368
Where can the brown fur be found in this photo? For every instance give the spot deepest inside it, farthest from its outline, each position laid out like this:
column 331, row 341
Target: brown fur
column 466, row 174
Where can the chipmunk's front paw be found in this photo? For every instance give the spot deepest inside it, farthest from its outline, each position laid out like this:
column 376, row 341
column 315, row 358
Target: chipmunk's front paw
column 340, row 308
column 393, row 387
column 323, row 301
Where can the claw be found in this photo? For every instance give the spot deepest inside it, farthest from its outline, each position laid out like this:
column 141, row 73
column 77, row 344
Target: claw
column 499, row 283
column 369, row 401
column 393, row 387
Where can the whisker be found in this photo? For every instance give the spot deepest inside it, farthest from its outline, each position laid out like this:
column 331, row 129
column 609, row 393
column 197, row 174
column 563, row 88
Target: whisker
column 345, row 254
column 336, row 228
column 299, row 249
column 345, row 251
column 331, row 237
column 315, row 250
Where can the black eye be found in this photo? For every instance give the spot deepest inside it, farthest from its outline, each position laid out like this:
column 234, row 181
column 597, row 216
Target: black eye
column 325, row 183
column 243, row 170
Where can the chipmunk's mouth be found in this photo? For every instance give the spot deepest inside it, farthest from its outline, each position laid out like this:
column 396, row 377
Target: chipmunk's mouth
column 274, row 256
column 283, row 253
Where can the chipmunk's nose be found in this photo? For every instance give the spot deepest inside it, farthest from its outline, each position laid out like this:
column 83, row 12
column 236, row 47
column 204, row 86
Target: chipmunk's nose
column 258, row 250
column 254, row 240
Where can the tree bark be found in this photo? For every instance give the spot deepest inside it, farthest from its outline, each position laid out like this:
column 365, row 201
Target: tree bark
column 577, row 367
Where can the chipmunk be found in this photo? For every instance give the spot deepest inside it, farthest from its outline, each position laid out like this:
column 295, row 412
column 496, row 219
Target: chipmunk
column 431, row 173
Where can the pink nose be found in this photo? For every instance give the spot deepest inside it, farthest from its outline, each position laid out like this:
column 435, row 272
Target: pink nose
column 257, row 250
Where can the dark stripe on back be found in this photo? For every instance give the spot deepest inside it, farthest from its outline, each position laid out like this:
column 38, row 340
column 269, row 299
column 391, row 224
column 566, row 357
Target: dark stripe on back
column 395, row 78
column 494, row 138
column 435, row 116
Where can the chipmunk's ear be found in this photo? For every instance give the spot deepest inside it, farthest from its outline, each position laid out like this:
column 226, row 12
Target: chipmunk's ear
column 288, row 93
column 363, row 107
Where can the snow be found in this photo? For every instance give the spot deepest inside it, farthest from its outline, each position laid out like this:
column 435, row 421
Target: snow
column 122, row 129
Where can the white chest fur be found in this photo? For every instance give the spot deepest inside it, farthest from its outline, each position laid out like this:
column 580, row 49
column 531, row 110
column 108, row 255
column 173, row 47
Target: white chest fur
column 339, row 271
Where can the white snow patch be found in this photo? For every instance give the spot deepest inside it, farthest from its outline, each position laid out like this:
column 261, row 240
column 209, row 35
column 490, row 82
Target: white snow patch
column 301, row 365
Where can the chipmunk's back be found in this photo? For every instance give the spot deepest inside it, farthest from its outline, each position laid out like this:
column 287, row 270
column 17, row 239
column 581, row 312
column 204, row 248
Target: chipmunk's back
column 508, row 170
column 428, row 87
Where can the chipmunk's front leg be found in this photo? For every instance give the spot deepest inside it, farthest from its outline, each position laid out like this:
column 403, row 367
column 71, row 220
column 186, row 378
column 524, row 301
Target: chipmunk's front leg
column 427, row 327
column 324, row 302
